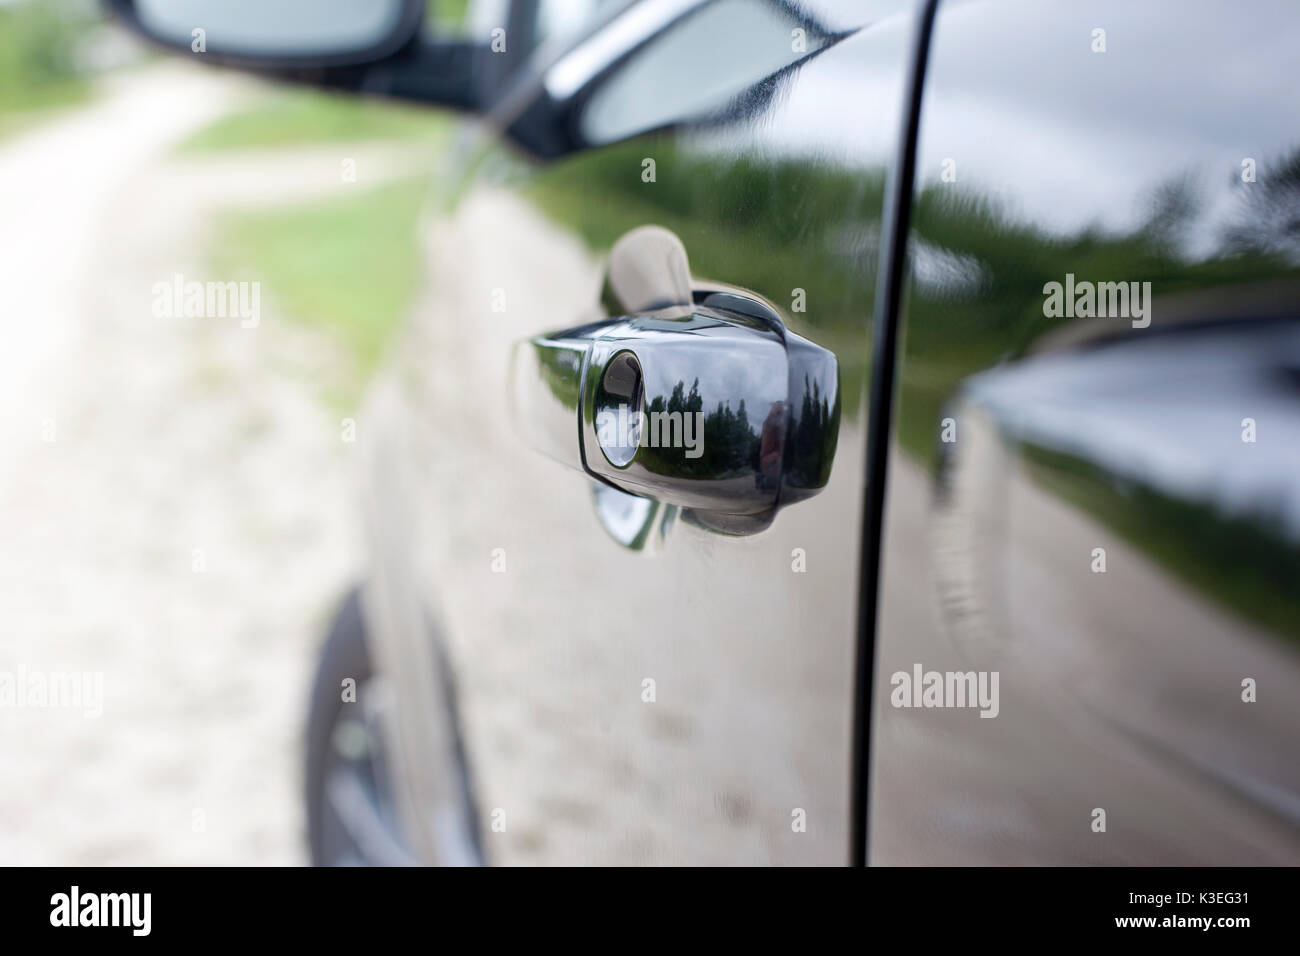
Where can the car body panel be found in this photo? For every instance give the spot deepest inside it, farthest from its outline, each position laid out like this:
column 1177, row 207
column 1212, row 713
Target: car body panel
column 1165, row 445
column 551, row 627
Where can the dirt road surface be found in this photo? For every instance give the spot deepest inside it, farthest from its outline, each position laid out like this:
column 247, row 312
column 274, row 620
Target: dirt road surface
column 176, row 503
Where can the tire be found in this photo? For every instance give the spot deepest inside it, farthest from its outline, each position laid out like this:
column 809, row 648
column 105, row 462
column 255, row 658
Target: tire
column 351, row 817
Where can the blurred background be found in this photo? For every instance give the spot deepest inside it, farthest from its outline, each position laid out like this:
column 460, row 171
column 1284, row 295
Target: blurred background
column 177, row 495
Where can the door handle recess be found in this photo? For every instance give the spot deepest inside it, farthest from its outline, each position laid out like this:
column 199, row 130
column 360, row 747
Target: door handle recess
column 696, row 396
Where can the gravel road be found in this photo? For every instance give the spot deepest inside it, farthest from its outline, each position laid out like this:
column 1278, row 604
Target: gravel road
column 176, row 502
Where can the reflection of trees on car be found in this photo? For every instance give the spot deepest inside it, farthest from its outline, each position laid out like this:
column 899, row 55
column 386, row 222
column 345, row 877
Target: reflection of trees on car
column 952, row 334
column 811, row 439
column 730, row 444
column 769, row 226
column 1249, row 271
column 1267, row 218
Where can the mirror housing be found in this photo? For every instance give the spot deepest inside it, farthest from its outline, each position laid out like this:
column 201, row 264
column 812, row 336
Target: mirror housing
column 379, row 47
column 266, row 34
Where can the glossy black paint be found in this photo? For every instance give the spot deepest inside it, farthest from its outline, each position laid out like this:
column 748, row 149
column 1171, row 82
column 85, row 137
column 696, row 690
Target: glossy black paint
column 889, row 293
column 776, row 200
column 549, row 124
column 1098, row 483
column 1103, row 510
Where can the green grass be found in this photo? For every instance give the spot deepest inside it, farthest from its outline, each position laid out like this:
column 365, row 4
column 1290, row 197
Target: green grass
column 448, row 14
column 345, row 266
column 300, row 117
column 37, row 68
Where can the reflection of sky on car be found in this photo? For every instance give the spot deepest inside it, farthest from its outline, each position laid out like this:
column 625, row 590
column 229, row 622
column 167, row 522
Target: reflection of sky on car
column 856, row 82
column 1107, row 178
column 1166, row 410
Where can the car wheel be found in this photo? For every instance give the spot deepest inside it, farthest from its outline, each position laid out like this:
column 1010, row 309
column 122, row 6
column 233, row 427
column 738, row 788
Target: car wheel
column 352, row 817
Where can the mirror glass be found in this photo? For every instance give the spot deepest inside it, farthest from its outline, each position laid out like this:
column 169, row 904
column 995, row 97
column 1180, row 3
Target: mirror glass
column 698, row 65
column 276, row 28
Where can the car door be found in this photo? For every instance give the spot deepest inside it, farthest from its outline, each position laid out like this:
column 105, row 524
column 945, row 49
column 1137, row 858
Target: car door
column 1093, row 486
column 667, row 675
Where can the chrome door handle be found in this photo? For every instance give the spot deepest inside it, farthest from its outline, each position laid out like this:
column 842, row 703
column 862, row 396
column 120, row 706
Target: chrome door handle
column 710, row 404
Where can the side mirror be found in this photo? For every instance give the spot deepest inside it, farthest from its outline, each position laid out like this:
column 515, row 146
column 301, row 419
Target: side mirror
column 381, row 47
column 278, row 33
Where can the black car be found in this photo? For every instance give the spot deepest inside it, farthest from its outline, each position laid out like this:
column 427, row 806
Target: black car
column 836, row 367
